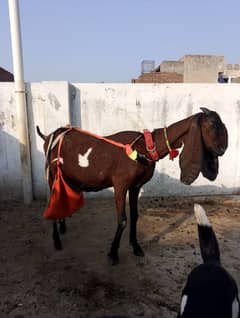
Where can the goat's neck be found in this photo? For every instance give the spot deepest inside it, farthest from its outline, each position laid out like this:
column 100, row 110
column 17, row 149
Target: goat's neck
column 175, row 135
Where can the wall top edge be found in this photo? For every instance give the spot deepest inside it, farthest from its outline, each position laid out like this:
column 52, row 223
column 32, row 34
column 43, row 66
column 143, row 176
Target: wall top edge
column 9, row 84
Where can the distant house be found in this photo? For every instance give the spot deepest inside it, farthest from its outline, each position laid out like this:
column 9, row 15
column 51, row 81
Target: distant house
column 160, row 74
column 189, row 69
column 6, row 76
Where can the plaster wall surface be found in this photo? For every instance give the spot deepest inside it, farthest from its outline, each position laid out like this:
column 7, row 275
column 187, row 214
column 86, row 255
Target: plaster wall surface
column 172, row 66
column 48, row 104
column 10, row 169
column 202, row 68
column 108, row 108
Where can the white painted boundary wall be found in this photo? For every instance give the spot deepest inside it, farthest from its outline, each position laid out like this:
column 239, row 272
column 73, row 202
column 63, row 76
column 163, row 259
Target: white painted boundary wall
column 10, row 173
column 108, row 108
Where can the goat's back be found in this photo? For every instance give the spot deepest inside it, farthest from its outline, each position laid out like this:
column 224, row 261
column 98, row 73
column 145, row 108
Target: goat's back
column 210, row 292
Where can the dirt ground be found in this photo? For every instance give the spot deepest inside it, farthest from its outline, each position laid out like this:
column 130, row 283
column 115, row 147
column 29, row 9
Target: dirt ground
column 37, row 281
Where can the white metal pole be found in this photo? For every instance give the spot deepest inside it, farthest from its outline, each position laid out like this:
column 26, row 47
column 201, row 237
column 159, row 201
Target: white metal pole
column 20, row 100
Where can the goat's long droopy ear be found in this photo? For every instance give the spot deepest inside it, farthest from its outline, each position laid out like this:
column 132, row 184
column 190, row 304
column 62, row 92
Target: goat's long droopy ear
column 190, row 160
column 209, row 166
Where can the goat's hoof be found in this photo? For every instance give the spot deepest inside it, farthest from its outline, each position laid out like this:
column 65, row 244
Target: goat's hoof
column 58, row 245
column 113, row 258
column 137, row 250
column 62, row 227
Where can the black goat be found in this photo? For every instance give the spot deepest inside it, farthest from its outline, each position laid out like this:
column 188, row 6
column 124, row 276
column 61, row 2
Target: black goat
column 210, row 291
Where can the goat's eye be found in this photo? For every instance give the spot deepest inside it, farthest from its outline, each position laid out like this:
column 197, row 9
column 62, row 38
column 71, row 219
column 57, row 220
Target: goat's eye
column 213, row 124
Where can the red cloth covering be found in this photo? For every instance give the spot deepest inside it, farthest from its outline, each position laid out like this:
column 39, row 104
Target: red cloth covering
column 63, row 201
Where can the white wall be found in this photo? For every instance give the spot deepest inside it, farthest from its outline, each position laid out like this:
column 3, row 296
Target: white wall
column 49, row 109
column 108, row 108
column 10, row 173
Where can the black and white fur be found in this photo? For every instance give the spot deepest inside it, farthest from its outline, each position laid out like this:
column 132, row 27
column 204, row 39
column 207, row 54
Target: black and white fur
column 210, row 291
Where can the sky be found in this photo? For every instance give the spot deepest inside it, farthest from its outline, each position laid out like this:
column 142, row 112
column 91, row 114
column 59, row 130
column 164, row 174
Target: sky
column 106, row 40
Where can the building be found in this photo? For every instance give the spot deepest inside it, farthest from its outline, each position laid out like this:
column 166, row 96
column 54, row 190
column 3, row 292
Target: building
column 190, row 69
column 167, row 72
column 6, row 76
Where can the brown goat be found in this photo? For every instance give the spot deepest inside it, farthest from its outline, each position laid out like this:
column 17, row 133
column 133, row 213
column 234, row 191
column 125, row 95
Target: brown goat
column 92, row 164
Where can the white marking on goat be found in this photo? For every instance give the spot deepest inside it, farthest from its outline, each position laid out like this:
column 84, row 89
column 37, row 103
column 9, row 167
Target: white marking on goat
column 83, row 159
column 235, row 308
column 200, row 215
column 183, row 303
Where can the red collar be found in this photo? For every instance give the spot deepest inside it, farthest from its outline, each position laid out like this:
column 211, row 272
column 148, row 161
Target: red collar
column 150, row 145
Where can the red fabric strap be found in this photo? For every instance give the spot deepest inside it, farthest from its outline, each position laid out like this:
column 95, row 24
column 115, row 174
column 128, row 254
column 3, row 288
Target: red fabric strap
column 150, row 145
column 63, row 201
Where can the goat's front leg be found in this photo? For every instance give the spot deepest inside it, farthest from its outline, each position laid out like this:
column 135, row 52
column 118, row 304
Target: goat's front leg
column 120, row 201
column 133, row 203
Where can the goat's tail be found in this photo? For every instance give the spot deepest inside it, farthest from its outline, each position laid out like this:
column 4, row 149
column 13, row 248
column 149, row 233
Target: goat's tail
column 41, row 134
column 207, row 238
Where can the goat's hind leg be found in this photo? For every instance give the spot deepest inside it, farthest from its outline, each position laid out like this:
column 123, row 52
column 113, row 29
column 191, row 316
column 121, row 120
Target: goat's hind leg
column 62, row 226
column 56, row 237
column 133, row 203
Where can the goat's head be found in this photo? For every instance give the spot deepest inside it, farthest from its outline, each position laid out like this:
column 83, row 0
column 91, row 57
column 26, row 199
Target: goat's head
column 206, row 140
column 214, row 133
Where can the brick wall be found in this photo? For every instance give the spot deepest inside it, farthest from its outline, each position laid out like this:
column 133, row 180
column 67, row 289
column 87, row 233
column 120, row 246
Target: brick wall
column 159, row 77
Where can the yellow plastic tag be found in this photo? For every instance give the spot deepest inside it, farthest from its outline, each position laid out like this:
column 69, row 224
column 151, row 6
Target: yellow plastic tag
column 133, row 155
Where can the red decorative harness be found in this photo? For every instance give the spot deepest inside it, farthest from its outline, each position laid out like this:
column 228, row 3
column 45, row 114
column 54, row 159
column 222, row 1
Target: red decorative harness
column 150, row 145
